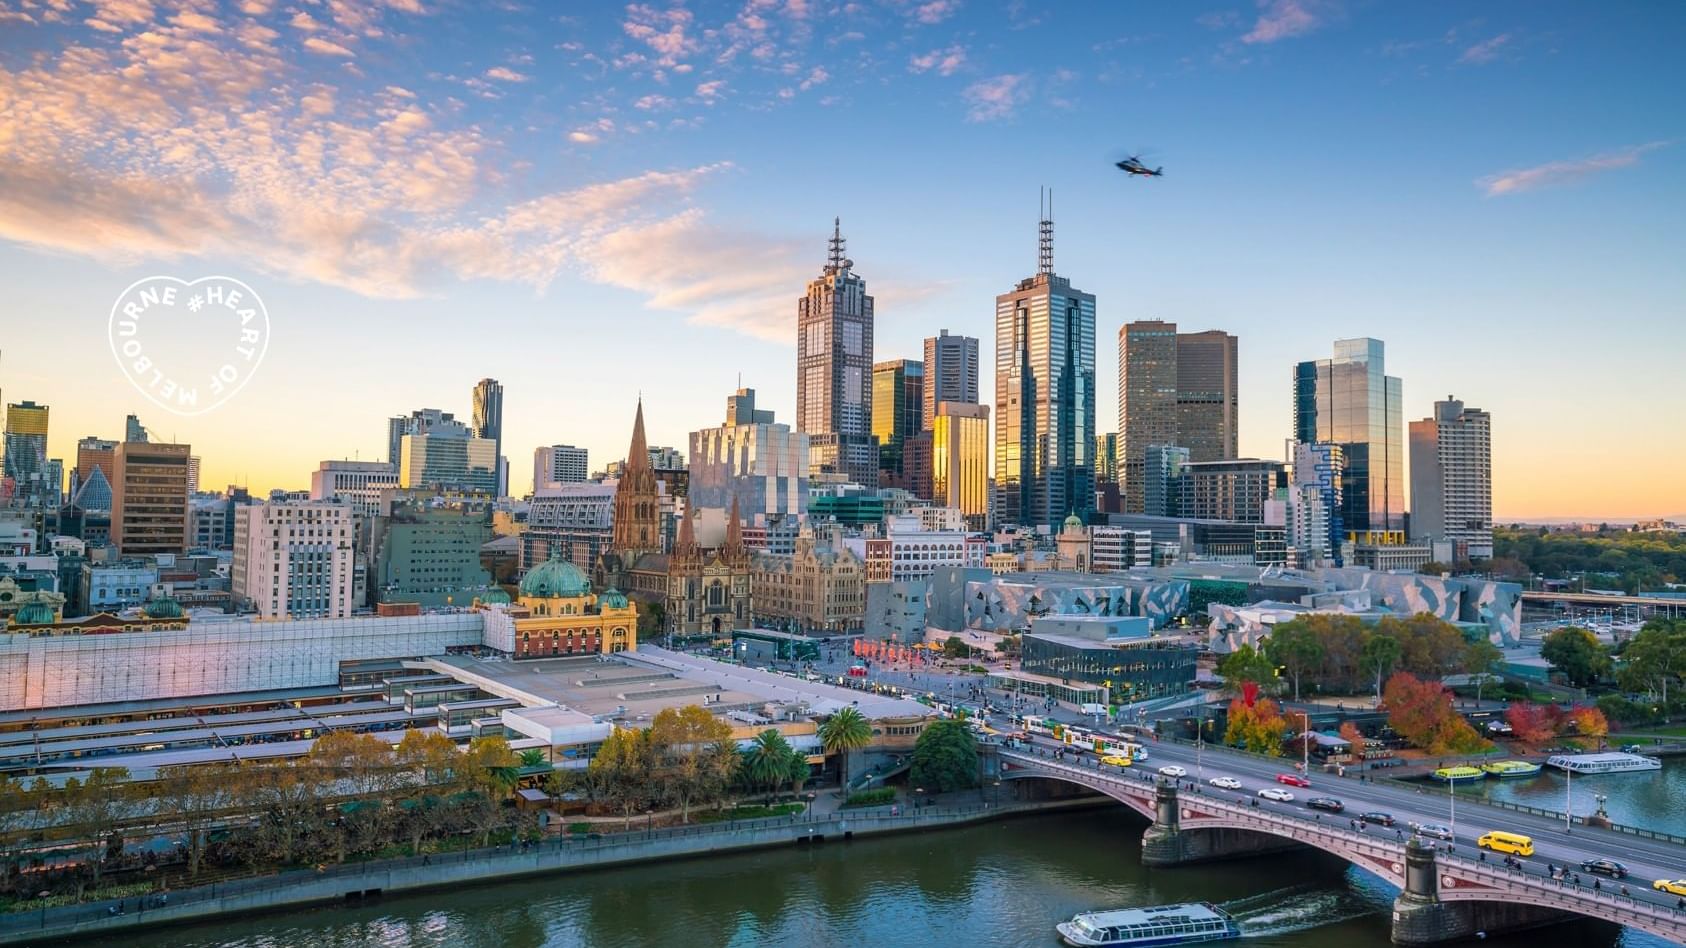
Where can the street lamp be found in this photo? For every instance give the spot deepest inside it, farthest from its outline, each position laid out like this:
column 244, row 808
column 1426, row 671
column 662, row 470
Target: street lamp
column 1305, row 743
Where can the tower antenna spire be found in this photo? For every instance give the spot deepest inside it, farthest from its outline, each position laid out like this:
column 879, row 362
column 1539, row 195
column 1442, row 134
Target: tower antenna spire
column 835, row 260
column 1045, row 242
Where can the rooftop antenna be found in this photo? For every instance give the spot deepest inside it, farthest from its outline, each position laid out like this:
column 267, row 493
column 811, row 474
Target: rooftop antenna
column 835, row 260
column 1045, row 260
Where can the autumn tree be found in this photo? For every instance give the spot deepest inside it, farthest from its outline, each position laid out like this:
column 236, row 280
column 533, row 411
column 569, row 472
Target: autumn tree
column 1422, row 713
column 1257, row 727
column 1589, row 725
column 1529, row 723
column 489, row 766
column 1353, row 737
column 93, row 809
column 196, row 795
column 685, row 742
column 622, row 769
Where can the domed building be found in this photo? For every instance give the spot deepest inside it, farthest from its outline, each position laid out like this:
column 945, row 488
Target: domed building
column 556, row 614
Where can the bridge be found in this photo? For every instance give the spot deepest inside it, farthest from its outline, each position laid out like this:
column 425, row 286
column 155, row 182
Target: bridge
column 1443, row 896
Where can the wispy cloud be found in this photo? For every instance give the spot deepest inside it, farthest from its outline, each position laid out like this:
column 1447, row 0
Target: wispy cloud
column 1485, row 51
column 999, row 97
column 320, row 46
column 945, row 61
column 1282, row 19
column 1555, row 173
column 505, row 74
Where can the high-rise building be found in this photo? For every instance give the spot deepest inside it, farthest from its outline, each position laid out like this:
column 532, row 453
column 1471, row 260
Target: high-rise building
column 1351, row 402
column 193, row 475
column 1234, row 490
column 898, row 395
column 1320, row 468
column 951, row 373
column 1044, row 396
column 960, row 460
column 1174, row 388
column 420, row 421
column 1106, row 457
column 1452, row 479
column 133, row 431
column 426, row 548
column 488, row 424
column 447, row 459
column 752, row 459
column 149, row 510
column 33, row 482
column 559, row 464
column 94, row 453
column 833, row 366
column 1162, row 480
column 358, row 483
column 295, row 560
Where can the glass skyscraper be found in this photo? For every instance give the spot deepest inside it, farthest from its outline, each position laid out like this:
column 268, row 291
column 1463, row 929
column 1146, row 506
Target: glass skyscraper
column 1351, row 402
column 834, row 370
column 960, row 460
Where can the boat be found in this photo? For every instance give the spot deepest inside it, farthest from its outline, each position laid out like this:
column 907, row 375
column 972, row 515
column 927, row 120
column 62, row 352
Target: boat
column 1459, row 774
column 1506, row 769
column 1608, row 763
column 1183, row 924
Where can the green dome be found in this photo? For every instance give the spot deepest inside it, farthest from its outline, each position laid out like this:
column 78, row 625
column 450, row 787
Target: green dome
column 1072, row 520
column 554, row 578
column 494, row 597
column 612, row 598
column 34, row 613
column 162, row 608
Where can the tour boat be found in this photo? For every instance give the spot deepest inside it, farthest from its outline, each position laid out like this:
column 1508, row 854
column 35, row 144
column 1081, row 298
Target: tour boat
column 1506, row 769
column 1610, row 763
column 1182, row 924
column 1459, row 774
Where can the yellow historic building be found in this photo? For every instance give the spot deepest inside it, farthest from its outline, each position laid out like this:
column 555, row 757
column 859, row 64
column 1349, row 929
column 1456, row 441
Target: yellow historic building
column 557, row 614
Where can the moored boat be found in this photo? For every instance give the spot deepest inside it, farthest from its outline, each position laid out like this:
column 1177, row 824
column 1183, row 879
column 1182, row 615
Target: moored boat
column 1186, row 923
column 1608, row 763
column 1459, row 774
column 1506, row 769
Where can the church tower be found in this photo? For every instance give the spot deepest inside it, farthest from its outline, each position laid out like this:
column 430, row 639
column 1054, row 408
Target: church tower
column 637, row 528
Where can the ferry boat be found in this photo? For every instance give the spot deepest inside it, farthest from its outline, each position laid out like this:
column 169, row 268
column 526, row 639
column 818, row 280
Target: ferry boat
column 1459, row 774
column 1182, row 924
column 1506, row 769
column 1608, row 763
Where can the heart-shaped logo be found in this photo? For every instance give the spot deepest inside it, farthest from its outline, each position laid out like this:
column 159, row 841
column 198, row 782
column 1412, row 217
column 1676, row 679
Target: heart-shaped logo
column 189, row 347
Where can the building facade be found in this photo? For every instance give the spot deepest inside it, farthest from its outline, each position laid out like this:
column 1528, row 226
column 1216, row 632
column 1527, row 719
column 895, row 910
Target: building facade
column 358, row 483
column 1044, row 397
column 488, row 426
column 1147, row 400
column 834, row 328
column 1229, row 490
column 295, row 560
column 572, row 522
column 1351, row 402
column 559, row 464
column 1207, row 395
column 819, row 587
column 960, row 461
column 1162, row 480
column 31, row 479
column 751, row 460
column 898, row 397
column 557, row 615
column 1452, row 479
column 149, row 505
column 426, row 548
column 950, row 373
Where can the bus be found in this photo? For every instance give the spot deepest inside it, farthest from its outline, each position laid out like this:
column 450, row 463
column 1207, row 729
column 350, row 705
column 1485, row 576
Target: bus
column 1109, row 746
column 1037, row 725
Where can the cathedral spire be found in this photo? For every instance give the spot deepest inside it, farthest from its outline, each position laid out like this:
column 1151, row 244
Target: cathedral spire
column 734, row 530
column 687, row 542
column 638, row 455
column 637, row 513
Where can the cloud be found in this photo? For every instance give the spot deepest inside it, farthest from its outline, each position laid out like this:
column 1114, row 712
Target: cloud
column 944, row 61
column 1485, row 51
column 935, row 11
column 1556, row 173
column 817, row 76
column 198, row 22
column 653, row 103
column 317, row 44
column 582, row 137
column 503, row 74
column 996, row 98
column 664, row 31
column 709, row 91
column 1283, row 19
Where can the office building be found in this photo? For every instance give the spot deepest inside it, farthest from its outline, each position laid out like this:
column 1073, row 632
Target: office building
column 149, row 511
column 559, row 464
column 488, row 424
column 570, row 521
column 427, row 548
column 819, row 587
column 834, row 323
column 909, row 551
column 133, row 431
column 208, row 522
column 960, row 461
column 1351, row 402
column 33, row 482
column 898, row 396
column 1119, row 550
column 918, row 470
column 950, row 373
column 94, row 453
column 752, row 459
column 420, row 421
column 1452, row 479
column 448, row 459
column 1319, row 466
column 1229, row 490
column 1174, row 389
column 193, row 475
column 358, row 483
column 1207, row 399
column 1044, row 396
column 294, row 561
column 1162, row 480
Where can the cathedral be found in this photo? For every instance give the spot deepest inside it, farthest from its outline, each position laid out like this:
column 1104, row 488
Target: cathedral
column 691, row 590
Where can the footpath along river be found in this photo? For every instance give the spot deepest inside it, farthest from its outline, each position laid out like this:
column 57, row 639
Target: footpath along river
column 1003, row 883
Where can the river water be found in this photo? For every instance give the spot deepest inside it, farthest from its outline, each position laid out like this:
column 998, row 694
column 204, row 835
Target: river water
column 1003, row 883
column 1654, row 800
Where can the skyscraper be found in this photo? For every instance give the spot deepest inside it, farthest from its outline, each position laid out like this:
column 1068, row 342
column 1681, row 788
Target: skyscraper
column 898, row 395
column 1349, row 401
column 951, row 373
column 1452, row 479
column 1320, row 467
column 149, row 507
column 420, row 421
column 559, row 464
column 833, row 368
column 1044, row 396
column 960, row 460
column 33, row 483
column 488, row 424
column 447, row 459
column 133, row 430
column 1206, row 395
column 1147, row 399
column 750, row 460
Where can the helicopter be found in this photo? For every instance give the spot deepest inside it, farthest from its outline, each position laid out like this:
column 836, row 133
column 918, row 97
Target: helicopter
column 1133, row 165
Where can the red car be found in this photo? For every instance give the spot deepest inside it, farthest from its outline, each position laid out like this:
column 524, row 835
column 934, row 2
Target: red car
column 1293, row 780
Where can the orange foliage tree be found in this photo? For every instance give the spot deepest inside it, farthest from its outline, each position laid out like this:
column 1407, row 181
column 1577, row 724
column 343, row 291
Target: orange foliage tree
column 1258, row 727
column 1422, row 713
column 1353, row 736
column 1590, row 724
column 1529, row 723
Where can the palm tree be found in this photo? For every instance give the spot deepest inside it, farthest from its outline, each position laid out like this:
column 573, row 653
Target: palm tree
column 843, row 732
column 532, row 757
column 768, row 760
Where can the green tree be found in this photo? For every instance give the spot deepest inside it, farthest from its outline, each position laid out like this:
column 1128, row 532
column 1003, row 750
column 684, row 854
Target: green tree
column 683, row 741
column 843, row 733
column 1432, row 568
column 797, row 771
column 1577, row 654
column 93, row 809
column 955, row 647
column 1294, row 648
column 1246, row 664
column 767, row 761
column 196, row 795
column 1480, row 658
column 1654, row 659
column 622, row 768
column 945, row 757
column 1380, row 656
column 491, row 767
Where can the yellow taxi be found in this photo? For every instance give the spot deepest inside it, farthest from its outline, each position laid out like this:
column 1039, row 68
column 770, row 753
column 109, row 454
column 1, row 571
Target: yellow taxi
column 1671, row 886
column 1116, row 761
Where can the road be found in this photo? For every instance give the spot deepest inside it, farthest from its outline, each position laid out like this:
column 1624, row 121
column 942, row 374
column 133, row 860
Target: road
column 1646, row 859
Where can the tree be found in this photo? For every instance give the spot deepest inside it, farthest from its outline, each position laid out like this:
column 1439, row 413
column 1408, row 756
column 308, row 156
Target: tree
column 767, row 761
column 289, row 811
column 532, row 757
column 955, row 647
column 196, row 795
column 1380, row 656
column 93, row 809
column 1423, row 714
column 1245, row 664
column 797, row 771
column 1589, row 724
column 1295, row 648
column 491, row 767
column 843, row 733
column 1480, row 658
column 622, row 769
column 362, row 764
column 432, row 757
column 1529, row 724
column 945, row 757
column 1432, row 568
column 1354, row 738
column 682, row 740
column 1654, row 659
column 1430, row 647
column 1257, row 727
column 1577, row 654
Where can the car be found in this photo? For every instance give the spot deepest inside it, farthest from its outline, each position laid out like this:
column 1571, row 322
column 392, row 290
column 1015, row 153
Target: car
column 1377, row 817
column 1430, row 829
column 1326, row 803
column 1225, row 783
column 1116, row 761
column 1293, row 780
column 1277, row 794
column 1172, row 770
column 1604, row 867
column 1671, row 886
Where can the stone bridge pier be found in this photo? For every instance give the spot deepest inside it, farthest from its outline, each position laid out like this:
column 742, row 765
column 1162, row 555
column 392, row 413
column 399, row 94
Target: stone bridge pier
column 1167, row 843
column 1420, row 917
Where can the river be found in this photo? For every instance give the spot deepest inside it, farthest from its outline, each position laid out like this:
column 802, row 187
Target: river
column 1649, row 800
column 1003, row 883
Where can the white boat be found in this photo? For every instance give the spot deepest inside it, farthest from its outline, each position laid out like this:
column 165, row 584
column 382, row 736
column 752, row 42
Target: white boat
column 1183, row 924
column 1608, row 763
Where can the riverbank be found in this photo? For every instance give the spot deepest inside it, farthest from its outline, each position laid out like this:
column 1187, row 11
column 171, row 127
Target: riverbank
column 360, row 881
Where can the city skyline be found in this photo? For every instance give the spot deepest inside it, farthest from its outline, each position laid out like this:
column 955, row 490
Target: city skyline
column 1475, row 256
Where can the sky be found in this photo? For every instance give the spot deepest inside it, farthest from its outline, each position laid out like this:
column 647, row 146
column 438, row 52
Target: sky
column 593, row 202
